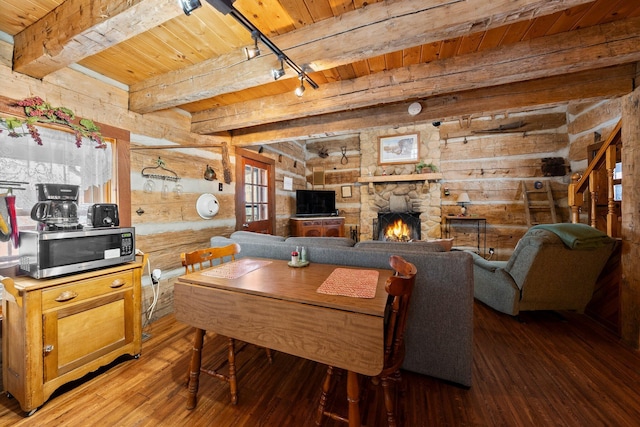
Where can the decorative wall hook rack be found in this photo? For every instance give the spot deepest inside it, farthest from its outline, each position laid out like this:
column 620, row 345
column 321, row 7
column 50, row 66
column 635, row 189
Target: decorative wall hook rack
column 160, row 172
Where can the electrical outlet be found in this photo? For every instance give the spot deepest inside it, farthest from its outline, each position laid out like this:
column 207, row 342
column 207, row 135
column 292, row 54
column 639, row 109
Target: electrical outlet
column 492, row 251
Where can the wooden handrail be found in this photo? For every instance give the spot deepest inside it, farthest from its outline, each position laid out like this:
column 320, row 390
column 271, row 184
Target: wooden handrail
column 581, row 185
column 607, row 155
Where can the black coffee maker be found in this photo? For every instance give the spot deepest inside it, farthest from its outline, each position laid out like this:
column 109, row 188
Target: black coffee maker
column 57, row 207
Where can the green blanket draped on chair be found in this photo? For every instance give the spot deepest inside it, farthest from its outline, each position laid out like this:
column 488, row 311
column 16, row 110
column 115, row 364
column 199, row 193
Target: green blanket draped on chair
column 577, row 236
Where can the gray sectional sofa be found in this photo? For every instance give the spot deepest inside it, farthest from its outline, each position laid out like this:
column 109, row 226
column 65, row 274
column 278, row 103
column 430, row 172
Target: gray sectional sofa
column 439, row 336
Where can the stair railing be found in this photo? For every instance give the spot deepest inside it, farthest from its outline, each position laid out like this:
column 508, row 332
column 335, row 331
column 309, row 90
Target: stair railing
column 606, row 156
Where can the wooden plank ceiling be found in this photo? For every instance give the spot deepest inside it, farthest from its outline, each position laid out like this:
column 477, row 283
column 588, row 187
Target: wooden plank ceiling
column 370, row 58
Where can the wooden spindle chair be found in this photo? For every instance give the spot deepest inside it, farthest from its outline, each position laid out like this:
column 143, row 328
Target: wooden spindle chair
column 200, row 258
column 399, row 287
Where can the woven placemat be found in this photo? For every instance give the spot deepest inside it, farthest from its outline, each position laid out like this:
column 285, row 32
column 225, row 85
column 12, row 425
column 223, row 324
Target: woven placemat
column 235, row 269
column 350, row 282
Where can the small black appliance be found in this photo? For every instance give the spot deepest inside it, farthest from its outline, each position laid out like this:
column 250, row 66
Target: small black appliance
column 103, row 215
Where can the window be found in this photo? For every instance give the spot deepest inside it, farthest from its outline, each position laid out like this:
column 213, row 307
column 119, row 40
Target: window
column 58, row 160
column 256, row 193
column 617, row 182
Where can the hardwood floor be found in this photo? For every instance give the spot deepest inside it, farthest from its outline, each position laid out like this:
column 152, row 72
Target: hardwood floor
column 550, row 370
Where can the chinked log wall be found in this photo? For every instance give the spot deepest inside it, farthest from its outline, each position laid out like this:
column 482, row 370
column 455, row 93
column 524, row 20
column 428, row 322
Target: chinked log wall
column 491, row 165
column 338, row 172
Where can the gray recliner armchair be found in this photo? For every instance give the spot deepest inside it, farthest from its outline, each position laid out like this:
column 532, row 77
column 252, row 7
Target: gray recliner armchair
column 553, row 267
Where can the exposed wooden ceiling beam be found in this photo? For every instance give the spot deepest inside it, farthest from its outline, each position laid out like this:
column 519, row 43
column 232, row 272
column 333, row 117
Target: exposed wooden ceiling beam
column 80, row 28
column 585, row 85
column 589, row 48
column 374, row 30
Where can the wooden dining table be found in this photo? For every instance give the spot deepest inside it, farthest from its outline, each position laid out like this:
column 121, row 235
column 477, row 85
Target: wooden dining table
column 271, row 304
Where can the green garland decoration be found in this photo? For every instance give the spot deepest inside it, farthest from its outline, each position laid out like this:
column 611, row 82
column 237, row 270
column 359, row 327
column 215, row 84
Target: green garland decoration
column 39, row 111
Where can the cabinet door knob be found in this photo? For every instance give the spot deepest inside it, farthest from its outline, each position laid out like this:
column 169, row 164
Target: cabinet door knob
column 48, row 349
column 66, row 296
column 117, row 283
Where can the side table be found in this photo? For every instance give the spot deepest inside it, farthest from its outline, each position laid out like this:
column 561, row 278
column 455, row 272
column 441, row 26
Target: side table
column 466, row 221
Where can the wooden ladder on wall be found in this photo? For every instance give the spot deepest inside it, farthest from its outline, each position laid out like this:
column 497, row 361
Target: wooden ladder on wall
column 538, row 200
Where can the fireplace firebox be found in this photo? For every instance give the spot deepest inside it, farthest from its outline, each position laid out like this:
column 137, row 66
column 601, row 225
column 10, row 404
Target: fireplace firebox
column 397, row 226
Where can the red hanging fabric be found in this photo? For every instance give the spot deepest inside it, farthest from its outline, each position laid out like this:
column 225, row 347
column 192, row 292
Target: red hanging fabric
column 11, row 208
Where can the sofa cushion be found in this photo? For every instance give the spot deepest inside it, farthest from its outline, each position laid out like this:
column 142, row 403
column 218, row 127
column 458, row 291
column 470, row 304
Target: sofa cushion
column 250, row 236
column 446, row 244
column 321, row 241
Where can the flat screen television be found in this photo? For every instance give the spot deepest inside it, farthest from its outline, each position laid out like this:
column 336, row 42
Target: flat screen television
column 315, row 203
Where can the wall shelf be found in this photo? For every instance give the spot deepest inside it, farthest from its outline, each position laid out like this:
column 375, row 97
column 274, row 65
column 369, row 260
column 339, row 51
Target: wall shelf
column 433, row 176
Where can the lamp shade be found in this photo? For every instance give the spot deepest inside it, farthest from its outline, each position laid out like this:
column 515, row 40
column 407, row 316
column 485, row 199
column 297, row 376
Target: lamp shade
column 463, row 198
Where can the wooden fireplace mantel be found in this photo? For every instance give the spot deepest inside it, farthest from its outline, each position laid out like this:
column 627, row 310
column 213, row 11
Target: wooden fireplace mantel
column 433, row 176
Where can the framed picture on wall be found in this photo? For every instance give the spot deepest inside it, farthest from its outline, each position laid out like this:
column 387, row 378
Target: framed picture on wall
column 398, row 149
column 346, row 191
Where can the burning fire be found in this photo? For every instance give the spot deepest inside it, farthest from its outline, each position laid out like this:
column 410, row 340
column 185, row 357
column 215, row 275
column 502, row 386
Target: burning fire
column 398, row 231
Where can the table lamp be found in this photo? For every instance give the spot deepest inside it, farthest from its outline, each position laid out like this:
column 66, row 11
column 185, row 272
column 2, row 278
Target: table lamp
column 463, row 198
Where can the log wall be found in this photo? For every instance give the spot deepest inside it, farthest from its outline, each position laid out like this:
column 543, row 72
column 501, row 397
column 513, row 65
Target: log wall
column 339, row 172
column 489, row 158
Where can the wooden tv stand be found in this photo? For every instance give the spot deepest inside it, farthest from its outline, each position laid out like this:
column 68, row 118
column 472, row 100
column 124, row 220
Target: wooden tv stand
column 58, row 330
column 324, row 226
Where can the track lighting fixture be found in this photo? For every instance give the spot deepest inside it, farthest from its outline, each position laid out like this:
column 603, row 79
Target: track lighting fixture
column 189, row 6
column 252, row 52
column 300, row 89
column 226, row 8
column 277, row 73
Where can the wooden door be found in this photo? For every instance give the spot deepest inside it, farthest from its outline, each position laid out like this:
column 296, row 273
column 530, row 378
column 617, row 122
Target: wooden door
column 255, row 192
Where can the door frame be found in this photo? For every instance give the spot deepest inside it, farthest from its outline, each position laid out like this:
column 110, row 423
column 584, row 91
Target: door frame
column 242, row 153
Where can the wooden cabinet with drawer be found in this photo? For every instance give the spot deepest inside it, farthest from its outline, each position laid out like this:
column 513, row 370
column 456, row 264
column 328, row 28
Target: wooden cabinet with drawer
column 58, row 330
column 317, row 227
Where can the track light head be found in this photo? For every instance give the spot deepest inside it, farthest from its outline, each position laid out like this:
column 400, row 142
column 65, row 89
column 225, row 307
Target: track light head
column 300, row 89
column 252, row 52
column 277, row 73
column 189, row 6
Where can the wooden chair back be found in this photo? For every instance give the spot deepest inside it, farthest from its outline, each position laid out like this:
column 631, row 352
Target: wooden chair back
column 202, row 256
column 399, row 287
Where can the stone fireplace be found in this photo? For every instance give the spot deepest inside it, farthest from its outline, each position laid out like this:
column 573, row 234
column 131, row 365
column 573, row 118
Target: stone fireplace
column 417, row 203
